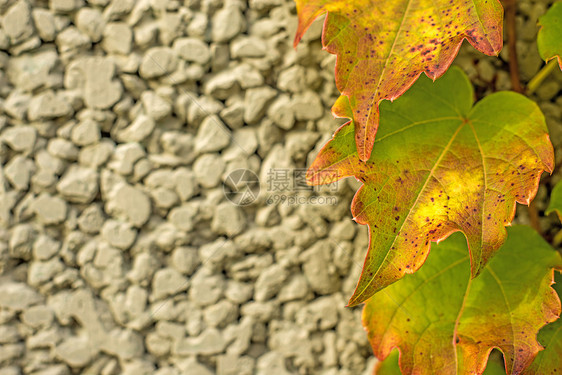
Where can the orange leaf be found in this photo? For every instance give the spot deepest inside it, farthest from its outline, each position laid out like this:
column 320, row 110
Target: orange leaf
column 383, row 46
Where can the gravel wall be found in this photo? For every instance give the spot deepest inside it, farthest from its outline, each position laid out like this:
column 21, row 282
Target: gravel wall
column 134, row 137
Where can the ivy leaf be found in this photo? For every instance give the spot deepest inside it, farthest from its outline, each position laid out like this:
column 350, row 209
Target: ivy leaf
column 383, row 46
column 549, row 39
column 439, row 165
column 444, row 322
column 390, row 365
column 555, row 204
column 549, row 360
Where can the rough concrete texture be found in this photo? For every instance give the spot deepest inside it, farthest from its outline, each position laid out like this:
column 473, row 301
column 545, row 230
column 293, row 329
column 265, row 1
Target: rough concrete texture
column 120, row 122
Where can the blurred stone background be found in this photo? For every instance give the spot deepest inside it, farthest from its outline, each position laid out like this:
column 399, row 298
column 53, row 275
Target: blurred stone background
column 121, row 123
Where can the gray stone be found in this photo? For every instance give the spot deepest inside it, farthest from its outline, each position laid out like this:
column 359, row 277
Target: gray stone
column 320, row 314
column 86, row 132
column 183, row 217
column 96, row 155
column 220, row 314
column 255, row 102
column 192, row 50
column 117, row 38
column 292, row 79
column 79, row 184
column 42, row 272
column 90, row 21
column 208, row 343
column 208, row 170
column 222, row 85
column 157, row 62
column 17, row 104
column 155, row 106
column 141, row 127
column 45, row 247
column 62, row 148
column 248, row 47
column 71, row 41
column 227, row 23
column 270, row 282
column 212, row 135
column 296, row 288
column 129, row 204
column 307, row 106
column 38, row 316
column 244, row 143
column 167, row 282
column 48, row 105
column 65, row 6
column 117, row 9
column 281, row 112
column 185, row 260
column 44, row 22
column 18, row 172
column 18, row 296
column 185, row 183
column 319, row 269
column 33, row 71
column 49, row 209
column 17, row 22
column 228, row 219
column 101, row 89
column 124, row 158
column 20, row 138
column 118, row 234
column 206, row 288
column 21, row 241
column 230, row 364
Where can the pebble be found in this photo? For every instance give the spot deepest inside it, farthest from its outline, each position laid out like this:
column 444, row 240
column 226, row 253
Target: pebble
column 79, row 184
column 212, row 135
column 118, row 234
column 192, row 50
column 20, row 138
column 129, row 204
column 208, row 170
column 227, row 23
column 17, row 22
column 157, row 62
column 255, row 102
column 49, row 210
column 228, row 219
column 117, row 38
column 90, row 21
column 167, row 282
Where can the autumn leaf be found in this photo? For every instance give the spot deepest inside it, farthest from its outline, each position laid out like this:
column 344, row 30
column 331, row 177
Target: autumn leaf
column 390, row 365
column 549, row 361
column 383, row 46
column 549, row 39
column 445, row 322
column 439, row 165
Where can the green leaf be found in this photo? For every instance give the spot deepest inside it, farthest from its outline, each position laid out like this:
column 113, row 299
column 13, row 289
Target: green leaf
column 390, row 365
column 383, row 46
column 444, row 322
column 549, row 39
column 439, row 165
column 555, row 204
column 549, row 361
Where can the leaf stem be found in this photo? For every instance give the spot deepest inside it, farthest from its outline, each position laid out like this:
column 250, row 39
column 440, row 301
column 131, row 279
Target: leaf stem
column 536, row 81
